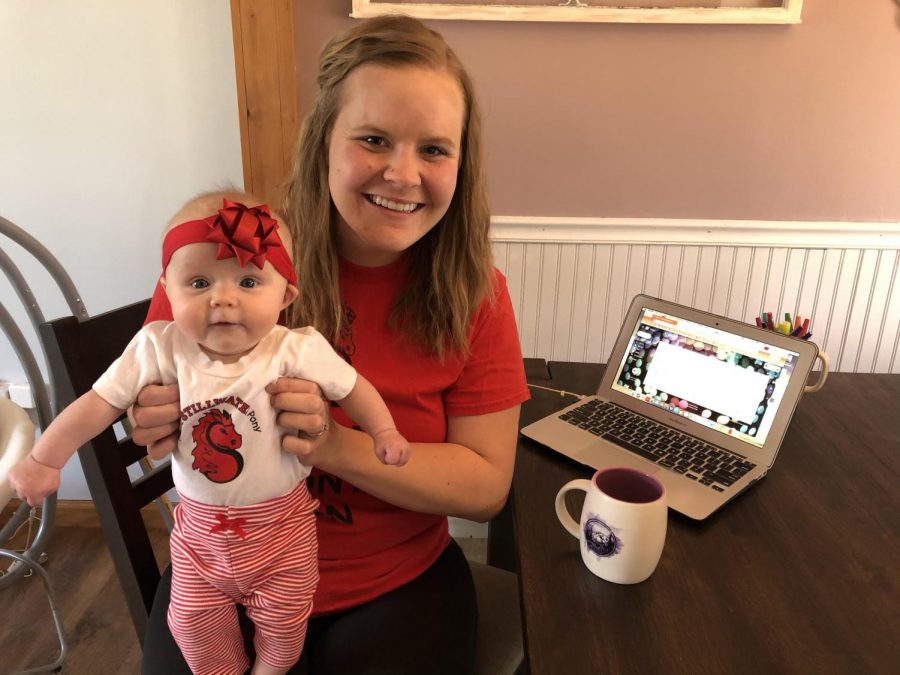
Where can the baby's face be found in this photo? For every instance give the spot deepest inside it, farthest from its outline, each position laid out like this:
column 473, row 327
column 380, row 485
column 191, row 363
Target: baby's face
column 224, row 307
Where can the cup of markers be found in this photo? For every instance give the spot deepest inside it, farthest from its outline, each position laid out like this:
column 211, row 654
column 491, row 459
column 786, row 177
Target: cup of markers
column 796, row 327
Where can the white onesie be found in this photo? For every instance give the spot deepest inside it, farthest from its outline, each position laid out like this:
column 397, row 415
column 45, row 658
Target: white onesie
column 229, row 451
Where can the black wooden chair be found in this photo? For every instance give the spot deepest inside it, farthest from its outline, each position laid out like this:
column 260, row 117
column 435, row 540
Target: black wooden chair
column 78, row 351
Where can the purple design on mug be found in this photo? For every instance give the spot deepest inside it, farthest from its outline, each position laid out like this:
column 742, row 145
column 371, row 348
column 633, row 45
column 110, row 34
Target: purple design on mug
column 600, row 538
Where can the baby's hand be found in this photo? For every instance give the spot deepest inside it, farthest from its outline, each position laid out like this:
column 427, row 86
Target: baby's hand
column 391, row 448
column 33, row 481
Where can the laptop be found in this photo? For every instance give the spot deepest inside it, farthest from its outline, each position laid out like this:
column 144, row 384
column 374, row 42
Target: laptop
column 701, row 402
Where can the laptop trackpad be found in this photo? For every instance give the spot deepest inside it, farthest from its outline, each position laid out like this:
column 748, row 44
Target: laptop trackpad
column 601, row 454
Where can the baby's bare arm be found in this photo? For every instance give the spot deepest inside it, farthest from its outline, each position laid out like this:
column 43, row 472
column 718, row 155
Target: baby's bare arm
column 37, row 474
column 365, row 406
column 73, row 427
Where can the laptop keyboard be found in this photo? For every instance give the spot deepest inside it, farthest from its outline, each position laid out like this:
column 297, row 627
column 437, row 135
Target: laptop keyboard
column 678, row 452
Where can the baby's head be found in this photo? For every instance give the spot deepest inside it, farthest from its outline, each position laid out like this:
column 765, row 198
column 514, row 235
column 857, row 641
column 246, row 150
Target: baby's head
column 227, row 272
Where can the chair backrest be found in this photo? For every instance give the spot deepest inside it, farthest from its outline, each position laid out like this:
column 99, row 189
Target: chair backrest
column 78, row 352
column 27, row 359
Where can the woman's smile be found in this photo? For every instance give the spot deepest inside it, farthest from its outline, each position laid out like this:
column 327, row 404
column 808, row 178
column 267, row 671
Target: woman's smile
column 394, row 205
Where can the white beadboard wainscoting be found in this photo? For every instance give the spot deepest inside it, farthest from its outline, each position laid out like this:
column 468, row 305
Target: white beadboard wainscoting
column 571, row 280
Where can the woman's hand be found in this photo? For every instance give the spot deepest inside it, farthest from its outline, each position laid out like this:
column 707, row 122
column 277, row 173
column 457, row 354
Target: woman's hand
column 304, row 413
column 156, row 419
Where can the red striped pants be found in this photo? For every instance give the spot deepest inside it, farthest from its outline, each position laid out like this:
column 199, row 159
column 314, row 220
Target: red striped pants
column 263, row 556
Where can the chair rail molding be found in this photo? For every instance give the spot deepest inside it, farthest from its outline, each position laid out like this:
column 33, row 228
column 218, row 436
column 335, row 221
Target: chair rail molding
column 813, row 234
column 571, row 279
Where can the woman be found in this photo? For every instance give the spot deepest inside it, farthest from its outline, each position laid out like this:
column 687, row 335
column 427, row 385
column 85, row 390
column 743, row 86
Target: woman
column 390, row 218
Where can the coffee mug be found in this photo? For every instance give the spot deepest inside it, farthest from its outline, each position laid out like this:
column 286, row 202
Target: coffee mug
column 623, row 523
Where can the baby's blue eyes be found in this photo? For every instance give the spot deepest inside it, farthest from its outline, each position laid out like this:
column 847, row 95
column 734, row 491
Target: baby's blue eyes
column 247, row 282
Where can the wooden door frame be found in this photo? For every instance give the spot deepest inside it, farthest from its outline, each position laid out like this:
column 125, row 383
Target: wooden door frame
column 265, row 70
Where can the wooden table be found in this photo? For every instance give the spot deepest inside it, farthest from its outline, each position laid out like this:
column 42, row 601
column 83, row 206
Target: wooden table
column 797, row 575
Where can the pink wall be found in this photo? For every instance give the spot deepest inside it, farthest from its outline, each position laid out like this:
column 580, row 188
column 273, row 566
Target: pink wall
column 677, row 121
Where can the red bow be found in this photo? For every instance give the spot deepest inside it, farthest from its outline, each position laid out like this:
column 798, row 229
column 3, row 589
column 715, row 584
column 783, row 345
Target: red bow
column 226, row 523
column 244, row 232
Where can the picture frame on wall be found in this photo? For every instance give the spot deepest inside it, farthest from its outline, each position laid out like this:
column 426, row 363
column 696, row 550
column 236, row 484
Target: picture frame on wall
column 598, row 11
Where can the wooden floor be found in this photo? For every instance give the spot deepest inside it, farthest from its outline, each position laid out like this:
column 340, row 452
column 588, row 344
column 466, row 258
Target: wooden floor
column 99, row 635
column 100, row 638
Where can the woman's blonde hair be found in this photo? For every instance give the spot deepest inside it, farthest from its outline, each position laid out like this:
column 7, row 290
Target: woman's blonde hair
column 451, row 266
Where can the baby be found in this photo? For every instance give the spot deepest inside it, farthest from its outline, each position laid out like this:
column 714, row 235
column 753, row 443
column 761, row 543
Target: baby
column 245, row 525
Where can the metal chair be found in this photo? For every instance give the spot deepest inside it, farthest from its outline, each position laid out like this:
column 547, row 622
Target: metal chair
column 17, row 430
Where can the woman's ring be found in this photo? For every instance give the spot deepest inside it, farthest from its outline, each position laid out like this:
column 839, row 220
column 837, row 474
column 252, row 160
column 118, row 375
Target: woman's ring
column 319, row 432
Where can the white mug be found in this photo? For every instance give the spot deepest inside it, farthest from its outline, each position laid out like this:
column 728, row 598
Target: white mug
column 623, row 523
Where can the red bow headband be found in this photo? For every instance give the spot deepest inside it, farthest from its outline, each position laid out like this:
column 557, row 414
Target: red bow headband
column 249, row 234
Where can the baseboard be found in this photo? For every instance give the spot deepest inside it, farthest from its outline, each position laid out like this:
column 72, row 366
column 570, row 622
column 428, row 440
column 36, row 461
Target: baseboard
column 83, row 513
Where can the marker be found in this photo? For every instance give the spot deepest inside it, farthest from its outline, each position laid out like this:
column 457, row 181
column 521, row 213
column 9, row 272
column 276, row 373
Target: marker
column 807, row 336
column 787, row 317
column 771, row 321
column 758, row 322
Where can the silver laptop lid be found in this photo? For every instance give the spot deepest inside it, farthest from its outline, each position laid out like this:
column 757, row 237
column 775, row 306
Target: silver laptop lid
column 727, row 382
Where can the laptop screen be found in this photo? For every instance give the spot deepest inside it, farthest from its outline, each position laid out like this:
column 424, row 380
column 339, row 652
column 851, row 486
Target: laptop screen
column 730, row 383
